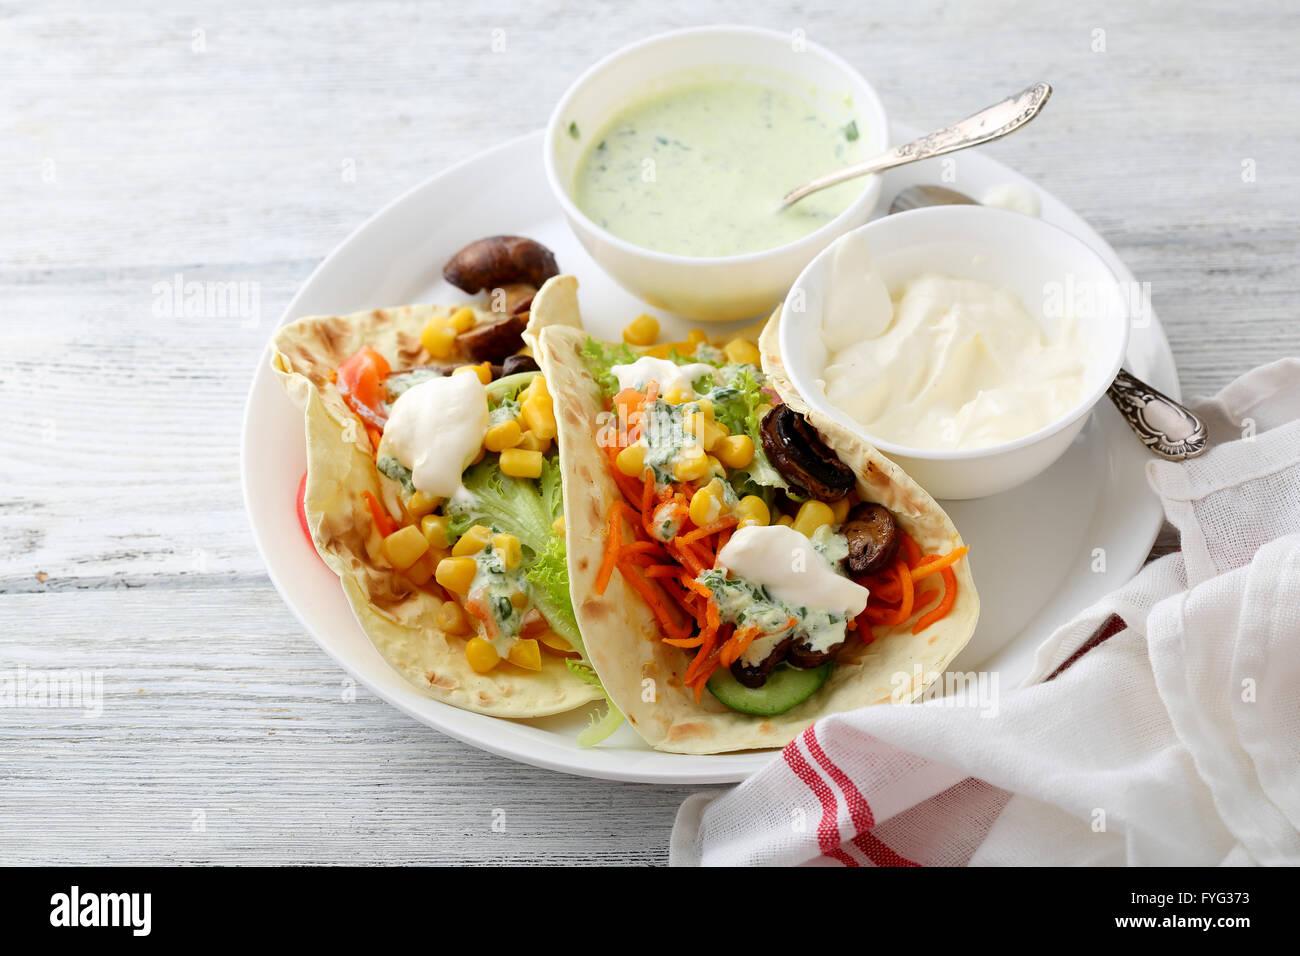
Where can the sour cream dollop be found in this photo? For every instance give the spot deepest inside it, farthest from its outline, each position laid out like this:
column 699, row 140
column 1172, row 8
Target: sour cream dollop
column 667, row 373
column 786, row 563
column 946, row 363
column 436, row 429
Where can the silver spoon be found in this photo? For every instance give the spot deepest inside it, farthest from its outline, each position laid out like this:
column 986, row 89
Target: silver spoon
column 983, row 127
column 1171, row 430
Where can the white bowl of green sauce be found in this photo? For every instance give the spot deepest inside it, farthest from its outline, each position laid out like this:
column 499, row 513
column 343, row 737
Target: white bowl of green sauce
column 670, row 157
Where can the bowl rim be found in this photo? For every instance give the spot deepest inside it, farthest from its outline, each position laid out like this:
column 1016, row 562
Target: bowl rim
column 870, row 194
column 1076, row 412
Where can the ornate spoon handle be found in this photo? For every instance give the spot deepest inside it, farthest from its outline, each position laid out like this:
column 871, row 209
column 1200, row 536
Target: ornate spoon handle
column 1169, row 429
column 986, row 125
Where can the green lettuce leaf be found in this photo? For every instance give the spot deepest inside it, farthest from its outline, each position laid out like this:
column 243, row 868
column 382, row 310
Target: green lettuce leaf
column 601, row 357
column 524, row 507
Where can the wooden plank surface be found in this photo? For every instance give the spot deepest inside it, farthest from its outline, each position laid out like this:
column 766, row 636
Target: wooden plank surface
column 243, row 144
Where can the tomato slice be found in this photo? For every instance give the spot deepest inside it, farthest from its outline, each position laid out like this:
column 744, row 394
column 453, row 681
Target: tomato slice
column 302, row 510
column 361, row 383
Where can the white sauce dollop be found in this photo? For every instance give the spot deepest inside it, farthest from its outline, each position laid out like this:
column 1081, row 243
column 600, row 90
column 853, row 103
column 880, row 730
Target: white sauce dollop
column 436, row 429
column 948, row 363
column 786, row 563
column 667, row 373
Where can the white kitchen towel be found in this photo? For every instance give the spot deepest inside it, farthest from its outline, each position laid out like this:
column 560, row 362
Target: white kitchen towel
column 1161, row 726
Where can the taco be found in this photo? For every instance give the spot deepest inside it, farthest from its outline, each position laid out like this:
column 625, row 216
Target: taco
column 740, row 565
column 433, row 492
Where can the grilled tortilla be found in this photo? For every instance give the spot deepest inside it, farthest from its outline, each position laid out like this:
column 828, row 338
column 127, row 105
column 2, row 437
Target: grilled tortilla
column 643, row 675
column 397, row 616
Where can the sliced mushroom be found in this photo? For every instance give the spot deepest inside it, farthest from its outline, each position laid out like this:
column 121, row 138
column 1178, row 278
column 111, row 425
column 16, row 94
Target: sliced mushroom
column 494, row 341
column 500, row 261
column 515, row 364
column 802, row 655
column 802, row 458
column 756, row 675
column 872, row 534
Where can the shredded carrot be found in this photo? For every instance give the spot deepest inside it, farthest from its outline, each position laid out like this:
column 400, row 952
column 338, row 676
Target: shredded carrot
column 613, row 541
column 652, row 597
column 383, row 524
column 720, row 525
column 904, row 610
column 651, row 392
column 374, row 434
column 945, row 604
column 662, row 571
column 910, row 548
column 648, row 491
column 685, row 642
column 698, row 588
column 932, row 563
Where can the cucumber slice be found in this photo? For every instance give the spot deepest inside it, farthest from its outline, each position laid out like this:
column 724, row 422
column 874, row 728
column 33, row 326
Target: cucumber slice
column 509, row 386
column 786, row 687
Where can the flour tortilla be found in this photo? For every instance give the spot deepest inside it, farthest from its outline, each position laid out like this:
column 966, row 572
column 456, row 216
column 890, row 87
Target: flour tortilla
column 642, row 675
column 396, row 616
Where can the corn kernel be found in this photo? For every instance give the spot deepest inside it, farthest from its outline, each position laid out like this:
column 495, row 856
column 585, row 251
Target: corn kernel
column 530, row 442
column 472, row 541
column 438, row 338
column 753, row 510
column 785, row 520
column 812, row 515
column 676, row 395
column 734, row 451
column 434, row 529
column 631, row 460
column 503, row 436
column 420, row 572
column 518, row 463
column 741, row 352
column 539, row 416
column 706, row 408
column 709, row 432
column 420, row 505
column 706, row 504
column 840, row 509
column 481, row 655
column 526, row 654
column 642, row 331
column 452, row 619
column 762, row 410
column 456, row 574
column 404, row 547
column 483, row 370
column 716, row 468
column 507, row 545
column 692, row 463
column 553, row 642
column 463, row 319
column 558, row 525
column 697, row 337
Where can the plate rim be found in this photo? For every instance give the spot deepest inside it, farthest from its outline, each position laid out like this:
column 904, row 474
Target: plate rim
column 713, row 768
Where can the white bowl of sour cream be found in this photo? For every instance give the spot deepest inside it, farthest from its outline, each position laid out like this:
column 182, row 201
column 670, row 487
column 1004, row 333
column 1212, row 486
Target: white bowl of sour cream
column 968, row 344
column 669, row 159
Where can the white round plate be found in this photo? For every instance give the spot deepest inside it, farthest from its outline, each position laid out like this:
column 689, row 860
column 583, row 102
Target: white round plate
column 1032, row 549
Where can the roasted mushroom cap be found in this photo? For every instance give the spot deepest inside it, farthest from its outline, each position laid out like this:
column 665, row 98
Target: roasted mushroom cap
column 494, row 341
column 872, row 534
column 802, row 655
column 499, row 261
column 514, row 364
column 802, row 458
column 756, row 675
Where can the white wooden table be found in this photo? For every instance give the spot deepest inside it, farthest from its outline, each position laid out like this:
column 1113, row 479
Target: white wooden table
column 242, row 146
